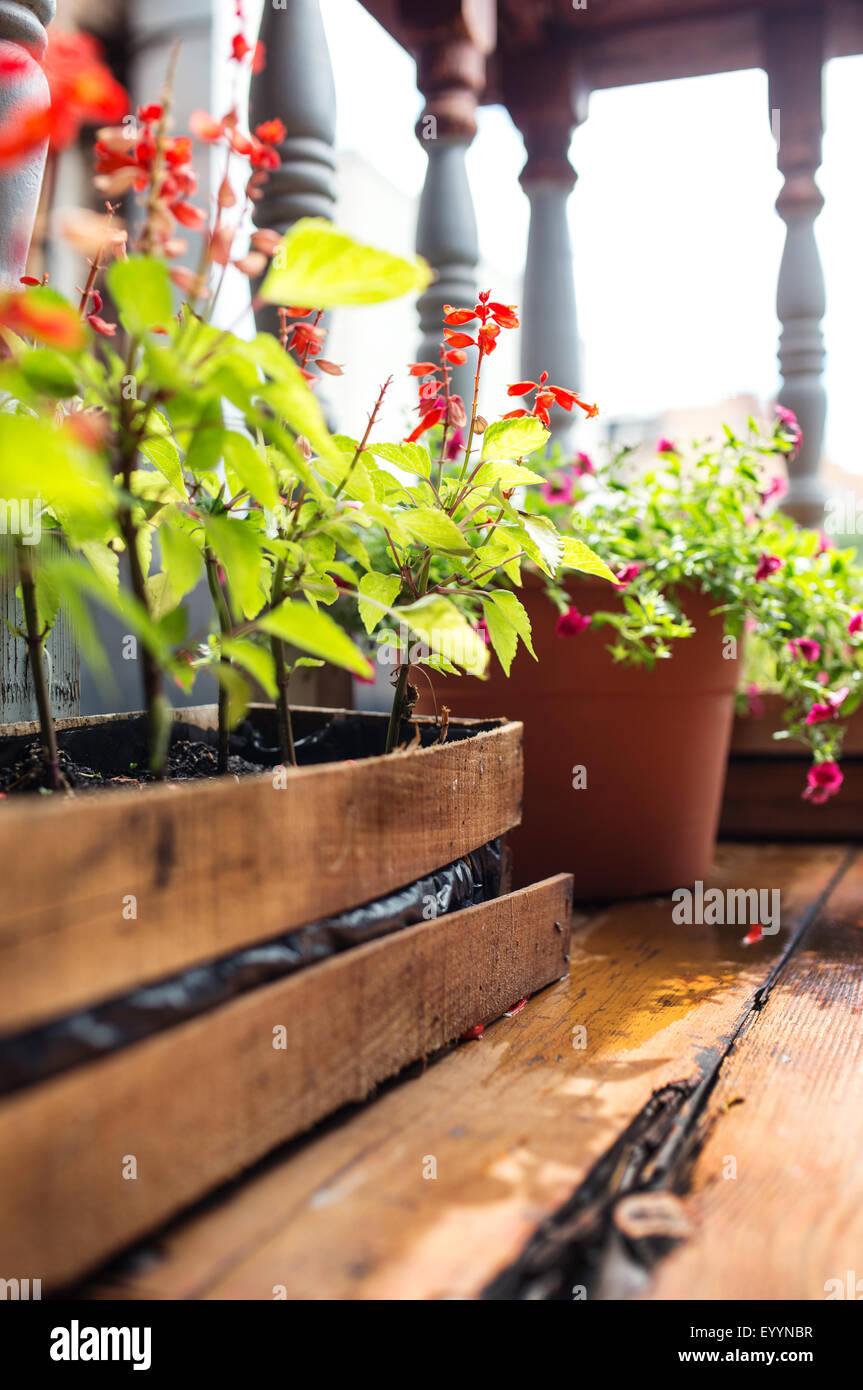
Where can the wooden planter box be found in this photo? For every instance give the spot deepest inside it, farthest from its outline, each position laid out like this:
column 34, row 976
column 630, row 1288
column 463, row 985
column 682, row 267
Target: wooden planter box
column 213, row 867
column 766, row 778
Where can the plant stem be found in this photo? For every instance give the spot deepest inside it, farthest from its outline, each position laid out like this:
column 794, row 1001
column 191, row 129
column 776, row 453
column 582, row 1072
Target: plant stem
column 277, row 646
column 218, row 596
column 397, row 711
column 35, row 648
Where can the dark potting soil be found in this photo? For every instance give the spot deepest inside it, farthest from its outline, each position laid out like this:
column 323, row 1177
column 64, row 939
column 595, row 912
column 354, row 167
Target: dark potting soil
column 114, row 753
column 42, row 1052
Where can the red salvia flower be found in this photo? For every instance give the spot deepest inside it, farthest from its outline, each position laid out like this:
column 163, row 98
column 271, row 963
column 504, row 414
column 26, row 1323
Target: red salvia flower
column 271, row 132
column 82, row 91
column 546, row 396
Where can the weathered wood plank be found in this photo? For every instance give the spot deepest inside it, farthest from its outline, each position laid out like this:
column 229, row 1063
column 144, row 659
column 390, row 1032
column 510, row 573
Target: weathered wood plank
column 514, row 1122
column 213, row 866
column 777, row 1189
column 195, row 1105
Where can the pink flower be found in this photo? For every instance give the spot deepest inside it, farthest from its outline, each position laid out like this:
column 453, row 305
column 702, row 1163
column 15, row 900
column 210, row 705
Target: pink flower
column 581, row 464
column 823, row 780
column 754, row 700
column 790, row 427
column 805, row 647
column 824, row 544
column 855, row 623
column 777, row 487
column 571, row 623
column 665, row 446
column 767, row 565
column 481, row 630
column 558, row 491
column 829, row 709
column 455, row 444
column 626, row 574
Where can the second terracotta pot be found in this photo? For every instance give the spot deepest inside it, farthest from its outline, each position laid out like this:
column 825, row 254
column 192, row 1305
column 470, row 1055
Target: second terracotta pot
column 624, row 767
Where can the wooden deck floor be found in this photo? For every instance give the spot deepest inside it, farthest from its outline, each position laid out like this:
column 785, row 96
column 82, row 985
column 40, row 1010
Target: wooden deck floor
column 682, row 1117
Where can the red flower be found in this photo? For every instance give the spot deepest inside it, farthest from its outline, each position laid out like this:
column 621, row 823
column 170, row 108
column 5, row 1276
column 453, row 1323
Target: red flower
column 546, row 396
column 28, row 314
column 855, row 623
column 665, row 446
column 99, row 325
column 823, row 780
column 82, row 90
column 492, row 318
column 767, row 565
column 271, row 132
column 571, row 623
column 240, row 49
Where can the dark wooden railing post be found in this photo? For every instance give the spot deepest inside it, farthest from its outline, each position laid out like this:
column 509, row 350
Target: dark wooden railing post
column 297, row 86
column 450, row 53
column 794, row 56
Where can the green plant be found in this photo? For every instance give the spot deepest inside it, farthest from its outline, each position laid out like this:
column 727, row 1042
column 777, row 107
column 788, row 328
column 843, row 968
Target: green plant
column 707, row 519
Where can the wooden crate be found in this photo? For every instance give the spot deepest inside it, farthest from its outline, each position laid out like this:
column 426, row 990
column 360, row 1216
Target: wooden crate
column 100, row 1155
column 212, row 866
column 193, row 1106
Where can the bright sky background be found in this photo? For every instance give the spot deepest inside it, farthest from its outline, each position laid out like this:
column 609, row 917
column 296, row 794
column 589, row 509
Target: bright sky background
column 676, row 240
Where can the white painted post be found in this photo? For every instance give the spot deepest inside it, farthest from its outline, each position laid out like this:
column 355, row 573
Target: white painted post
column 794, row 55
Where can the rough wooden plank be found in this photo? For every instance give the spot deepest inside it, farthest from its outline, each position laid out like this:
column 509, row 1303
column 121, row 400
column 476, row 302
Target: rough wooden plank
column 213, row 866
column 196, row 1104
column 514, row 1122
column 787, row 1122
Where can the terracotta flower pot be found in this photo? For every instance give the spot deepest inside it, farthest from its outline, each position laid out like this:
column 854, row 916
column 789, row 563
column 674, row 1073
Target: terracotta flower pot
column 650, row 748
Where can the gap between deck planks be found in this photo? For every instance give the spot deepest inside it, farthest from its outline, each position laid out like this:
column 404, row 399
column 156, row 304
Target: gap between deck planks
column 777, row 1191
column 513, row 1123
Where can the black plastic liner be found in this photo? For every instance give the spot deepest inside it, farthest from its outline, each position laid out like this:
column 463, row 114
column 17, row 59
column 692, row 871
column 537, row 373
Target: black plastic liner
column 110, row 748
column 86, row 1036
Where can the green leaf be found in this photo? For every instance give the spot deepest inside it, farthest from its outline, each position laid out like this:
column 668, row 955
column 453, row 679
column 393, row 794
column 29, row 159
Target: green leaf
column 238, row 689
column 507, row 475
column 164, row 455
column 254, row 472
column 434, row 529
column 383, row 588
column 315, row 632
column 318, row 266
column 48, row 372
column 238, row 547
column 504, row 638
column 542, row 542
column 447, row 633
column 413, row 458
column 578, row 556
column 509, row 439
column 141, row 290
column 509, row 606
column 254, row 659
column 47, row 599
column 181, row 558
